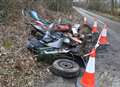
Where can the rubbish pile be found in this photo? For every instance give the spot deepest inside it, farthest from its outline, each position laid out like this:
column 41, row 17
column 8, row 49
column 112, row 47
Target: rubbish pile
column 56, row 37
column 48, row 38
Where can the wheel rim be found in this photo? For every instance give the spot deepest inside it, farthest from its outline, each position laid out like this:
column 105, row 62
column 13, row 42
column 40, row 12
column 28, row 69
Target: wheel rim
column 66, row 65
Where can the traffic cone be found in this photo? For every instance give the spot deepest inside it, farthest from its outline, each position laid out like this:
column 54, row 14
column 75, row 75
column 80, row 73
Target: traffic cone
column 88, row 78
column 85, row 20
column 94, row 29
column 103, row 39
column 97, row 45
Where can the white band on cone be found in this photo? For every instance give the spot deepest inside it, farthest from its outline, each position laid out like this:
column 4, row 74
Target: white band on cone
column 91, row 65
column 104, row 32
column 85, row 19
column 95, row 24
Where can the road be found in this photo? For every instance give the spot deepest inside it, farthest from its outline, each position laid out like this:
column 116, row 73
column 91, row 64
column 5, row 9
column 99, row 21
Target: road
column 108, row 58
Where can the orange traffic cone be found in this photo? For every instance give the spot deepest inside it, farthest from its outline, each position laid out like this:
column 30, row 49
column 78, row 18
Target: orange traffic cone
column 88, row 79
column 85, row 20
column 103, row 39
column 94, row 29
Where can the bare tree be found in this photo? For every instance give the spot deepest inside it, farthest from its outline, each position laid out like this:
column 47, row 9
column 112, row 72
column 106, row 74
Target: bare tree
column 107, row 6
column 59, row 5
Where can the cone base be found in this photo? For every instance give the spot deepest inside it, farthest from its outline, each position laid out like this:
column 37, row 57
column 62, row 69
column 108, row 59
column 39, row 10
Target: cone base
column 88, row 80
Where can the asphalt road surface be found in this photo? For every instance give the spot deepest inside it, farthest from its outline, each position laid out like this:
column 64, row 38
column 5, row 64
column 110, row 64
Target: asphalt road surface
column 108, row 58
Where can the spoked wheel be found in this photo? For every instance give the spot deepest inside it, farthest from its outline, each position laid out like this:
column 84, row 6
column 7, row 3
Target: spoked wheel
column 65, row 68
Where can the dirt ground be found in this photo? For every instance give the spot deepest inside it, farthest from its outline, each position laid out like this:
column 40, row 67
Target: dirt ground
column 18, row 67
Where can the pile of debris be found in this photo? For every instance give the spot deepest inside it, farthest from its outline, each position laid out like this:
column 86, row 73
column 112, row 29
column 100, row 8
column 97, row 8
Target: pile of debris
column 58, row 38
